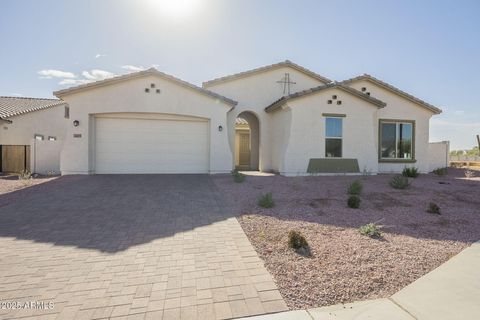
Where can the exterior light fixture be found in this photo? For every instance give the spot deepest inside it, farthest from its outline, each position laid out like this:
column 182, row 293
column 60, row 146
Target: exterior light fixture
column 76, row 123
column 220, row 128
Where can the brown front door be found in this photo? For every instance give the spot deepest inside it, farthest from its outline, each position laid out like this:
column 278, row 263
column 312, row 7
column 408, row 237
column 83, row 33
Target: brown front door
column 244, row 150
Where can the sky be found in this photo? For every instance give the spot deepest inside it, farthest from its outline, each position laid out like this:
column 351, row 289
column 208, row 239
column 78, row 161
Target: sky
column 430, row 49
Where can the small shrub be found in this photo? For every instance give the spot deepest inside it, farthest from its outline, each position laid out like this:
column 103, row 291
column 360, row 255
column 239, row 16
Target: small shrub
column 25, row 175
column 410, row 172
column 355, row 188
column 296, row 240
column 353, row 201
column 469, row 174
column 266, row 201
column 399, row 182
column 433, row 208
column 238, row 177
column 440, row 171
column 372, row 230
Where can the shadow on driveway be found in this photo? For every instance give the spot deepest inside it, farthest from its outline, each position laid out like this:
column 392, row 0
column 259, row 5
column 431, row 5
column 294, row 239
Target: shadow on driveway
column 111, row 213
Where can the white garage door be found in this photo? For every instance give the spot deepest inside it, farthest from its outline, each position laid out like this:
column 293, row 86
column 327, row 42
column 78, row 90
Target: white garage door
column 151, row 146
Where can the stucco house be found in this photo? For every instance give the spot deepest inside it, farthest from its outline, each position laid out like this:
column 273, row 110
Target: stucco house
column 31, row 133
column 282, row 118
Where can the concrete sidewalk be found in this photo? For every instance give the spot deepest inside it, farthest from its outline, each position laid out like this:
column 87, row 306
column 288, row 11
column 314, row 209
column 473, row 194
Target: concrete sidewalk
column 452, row 291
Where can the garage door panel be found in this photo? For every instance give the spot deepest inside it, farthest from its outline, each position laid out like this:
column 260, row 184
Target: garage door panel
column 151, row 146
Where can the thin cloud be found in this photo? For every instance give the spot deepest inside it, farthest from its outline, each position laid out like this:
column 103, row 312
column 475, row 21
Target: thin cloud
column 445, row 123
column 96, row 74
column 87, row 77
column 73, row 82
column 129, row 67
column 100, row 55
column 52, row 73
column 15, row 94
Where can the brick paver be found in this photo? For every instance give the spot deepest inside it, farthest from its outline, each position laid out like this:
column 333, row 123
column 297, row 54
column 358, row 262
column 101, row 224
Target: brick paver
column 129, row 247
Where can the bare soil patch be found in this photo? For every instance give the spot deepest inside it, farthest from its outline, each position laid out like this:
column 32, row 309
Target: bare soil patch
column 12, row 183
column 346, row 266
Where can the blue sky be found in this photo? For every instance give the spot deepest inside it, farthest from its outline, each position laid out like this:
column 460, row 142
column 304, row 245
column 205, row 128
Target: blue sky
column 430, row 49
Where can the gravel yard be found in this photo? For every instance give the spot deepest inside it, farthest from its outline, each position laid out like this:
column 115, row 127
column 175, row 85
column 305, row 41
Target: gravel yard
column 346, row 266
column 12, row 183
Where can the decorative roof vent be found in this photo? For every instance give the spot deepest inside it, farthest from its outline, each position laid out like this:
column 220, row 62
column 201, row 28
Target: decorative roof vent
column 329, row 101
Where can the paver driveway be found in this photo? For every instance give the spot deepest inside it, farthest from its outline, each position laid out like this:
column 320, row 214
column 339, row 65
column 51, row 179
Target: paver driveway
column 133, row 246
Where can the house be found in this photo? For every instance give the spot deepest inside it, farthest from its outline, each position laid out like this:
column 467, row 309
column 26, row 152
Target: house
column 31, row 130
column 282, row 118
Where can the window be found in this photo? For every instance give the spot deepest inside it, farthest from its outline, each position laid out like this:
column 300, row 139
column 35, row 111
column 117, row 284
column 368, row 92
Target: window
column 50, row 138
column 38, row 137
column 333, row 137
column 67, row 112
column 396, row 140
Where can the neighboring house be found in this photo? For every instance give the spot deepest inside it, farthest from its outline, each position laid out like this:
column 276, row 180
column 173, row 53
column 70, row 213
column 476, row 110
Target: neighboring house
column 31, row 130
column 281, row 118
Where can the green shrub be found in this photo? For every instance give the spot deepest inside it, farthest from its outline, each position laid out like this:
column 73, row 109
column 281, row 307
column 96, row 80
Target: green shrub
column 433, row 208
column 266, row 201
column 25, row 175
column 410, row 172
column 372, row 230
column 399, row 182
column 353, row 201
column 238, row 177
column 355, row 188
column 440, row 171
column 296, row 240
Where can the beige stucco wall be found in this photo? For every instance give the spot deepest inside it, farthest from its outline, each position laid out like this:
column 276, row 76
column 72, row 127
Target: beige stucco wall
column 254, row 93
column 44, row 155
column 47, row 122
column 438, row 155
column 129, row 96
column 307, row 131
column 402, row 109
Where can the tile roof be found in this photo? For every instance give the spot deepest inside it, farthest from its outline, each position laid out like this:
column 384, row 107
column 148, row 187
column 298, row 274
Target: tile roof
column 286, row 63
column 14, row 106
column 151, row 71
column 394, row 90
column 277, row 104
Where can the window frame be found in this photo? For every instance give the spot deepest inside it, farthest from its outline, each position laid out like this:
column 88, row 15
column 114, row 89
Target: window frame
column 396, row 122
column 36, row 136
column 333, row 116
column 52, row 138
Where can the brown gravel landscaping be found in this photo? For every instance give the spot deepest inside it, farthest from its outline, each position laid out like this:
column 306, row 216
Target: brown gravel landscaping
column 12, row 183
column 346, row 266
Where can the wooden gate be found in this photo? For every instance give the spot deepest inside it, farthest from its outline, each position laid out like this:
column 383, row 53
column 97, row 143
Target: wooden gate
column 15, row 159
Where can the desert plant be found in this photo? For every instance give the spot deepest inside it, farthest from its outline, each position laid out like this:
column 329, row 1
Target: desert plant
column 296, row 240
column 372, row 230
column 440, row 171
column 469, row 174
column 355, row 188
column 238, row 177
column 399, row 182
column 410, row 172
column 433, row 208
column 266, row 201
column 353, row 201
column 25, row 175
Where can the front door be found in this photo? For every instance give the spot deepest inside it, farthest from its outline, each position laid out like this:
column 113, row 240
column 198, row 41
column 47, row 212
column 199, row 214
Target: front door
column 244, row 150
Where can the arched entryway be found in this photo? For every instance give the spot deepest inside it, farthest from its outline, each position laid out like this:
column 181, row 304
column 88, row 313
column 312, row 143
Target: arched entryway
column 247, row 141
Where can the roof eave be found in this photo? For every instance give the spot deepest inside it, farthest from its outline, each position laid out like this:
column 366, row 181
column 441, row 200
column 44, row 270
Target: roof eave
column 395, row 90
column 286, row 63
column 151, row 71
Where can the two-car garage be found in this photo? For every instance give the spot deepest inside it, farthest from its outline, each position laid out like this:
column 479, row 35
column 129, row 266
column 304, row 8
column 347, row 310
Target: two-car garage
column 151, row 144
column 145, row 122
